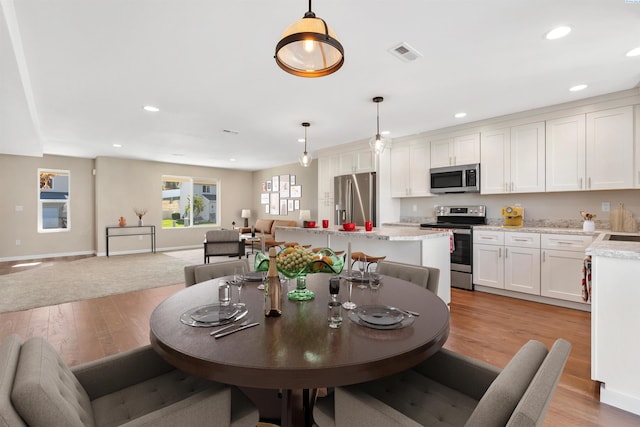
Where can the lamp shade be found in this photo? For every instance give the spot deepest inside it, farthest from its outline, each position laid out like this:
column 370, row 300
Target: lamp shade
column 246, row 214
column 309, row 48
column 305, row 214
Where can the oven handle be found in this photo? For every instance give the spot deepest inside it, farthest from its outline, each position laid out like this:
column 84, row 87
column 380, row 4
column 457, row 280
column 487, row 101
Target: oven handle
column 461, row 231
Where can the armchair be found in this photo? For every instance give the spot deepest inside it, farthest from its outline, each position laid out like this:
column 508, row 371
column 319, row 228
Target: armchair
column 455, row 390
column 223, row 242
column 134, row 388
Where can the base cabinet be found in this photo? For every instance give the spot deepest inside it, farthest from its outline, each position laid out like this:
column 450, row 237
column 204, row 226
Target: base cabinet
column 561, row 267
column 522, row 269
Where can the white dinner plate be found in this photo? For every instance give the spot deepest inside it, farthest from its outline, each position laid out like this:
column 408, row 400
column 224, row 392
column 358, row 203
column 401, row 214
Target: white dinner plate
column 212, row 315
column 380, row 315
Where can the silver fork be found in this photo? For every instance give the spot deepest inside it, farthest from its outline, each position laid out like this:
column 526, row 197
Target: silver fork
column 228, row 327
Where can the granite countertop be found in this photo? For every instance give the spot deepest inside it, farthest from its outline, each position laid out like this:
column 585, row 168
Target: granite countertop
column 545, row 230
column 614, row 248
column 378, row 233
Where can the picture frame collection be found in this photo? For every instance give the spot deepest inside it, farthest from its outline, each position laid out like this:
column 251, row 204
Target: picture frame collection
column 281, row 195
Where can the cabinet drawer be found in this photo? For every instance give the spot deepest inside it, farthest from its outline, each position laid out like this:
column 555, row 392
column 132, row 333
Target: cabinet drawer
column 522, row 240
column 566, row 242
column 488, row 237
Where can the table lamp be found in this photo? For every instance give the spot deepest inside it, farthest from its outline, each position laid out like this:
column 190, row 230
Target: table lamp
column 305, row 215
column 246, row 214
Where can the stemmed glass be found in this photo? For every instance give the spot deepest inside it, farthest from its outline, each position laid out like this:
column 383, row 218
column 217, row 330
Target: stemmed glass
column 238, row 280
column 362, row 266
column 349, row 305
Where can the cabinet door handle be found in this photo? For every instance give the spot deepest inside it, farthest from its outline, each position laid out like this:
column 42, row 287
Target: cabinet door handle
column 580, row 182
column 544, row 256
column 520, row 240
column 499, row 252
column 506, row 253
column 589, row 183
column 454, row 160
column 512, row 186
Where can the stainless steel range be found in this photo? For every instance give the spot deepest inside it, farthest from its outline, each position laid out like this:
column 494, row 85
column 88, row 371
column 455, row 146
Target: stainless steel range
column 460, row 220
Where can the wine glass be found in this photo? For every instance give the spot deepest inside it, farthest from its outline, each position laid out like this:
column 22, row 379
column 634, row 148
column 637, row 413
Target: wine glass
column 349, row 305
column 238, row 280
column 362, row 266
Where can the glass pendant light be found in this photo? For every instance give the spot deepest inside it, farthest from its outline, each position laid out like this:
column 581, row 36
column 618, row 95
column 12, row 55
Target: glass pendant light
column 305, row 159
column 378, row 143
column 309, row 48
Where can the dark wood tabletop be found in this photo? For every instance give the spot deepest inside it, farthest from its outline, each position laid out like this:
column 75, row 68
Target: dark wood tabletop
column 299, row 350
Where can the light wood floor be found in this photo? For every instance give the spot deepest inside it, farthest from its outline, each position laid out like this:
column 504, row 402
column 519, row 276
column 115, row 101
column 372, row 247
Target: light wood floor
column 487, row 327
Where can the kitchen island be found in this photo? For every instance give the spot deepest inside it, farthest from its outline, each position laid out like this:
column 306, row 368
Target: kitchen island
column 400, row 244
column 615, row 321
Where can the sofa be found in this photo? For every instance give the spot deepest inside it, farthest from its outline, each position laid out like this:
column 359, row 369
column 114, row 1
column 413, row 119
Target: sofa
column 133, row 388
column 450, row 389
column 267, row 227
column 223, row 243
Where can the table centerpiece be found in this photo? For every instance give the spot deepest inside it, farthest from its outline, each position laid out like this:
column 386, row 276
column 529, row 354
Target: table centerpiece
column 296, row 262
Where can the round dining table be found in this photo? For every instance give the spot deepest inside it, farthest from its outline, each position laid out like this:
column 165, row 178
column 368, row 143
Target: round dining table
column 298, row 350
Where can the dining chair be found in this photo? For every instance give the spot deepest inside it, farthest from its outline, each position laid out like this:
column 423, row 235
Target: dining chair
column 133, row 388
column 426, row 277
column 199, row 273
column 455, row 390
column 357, row 256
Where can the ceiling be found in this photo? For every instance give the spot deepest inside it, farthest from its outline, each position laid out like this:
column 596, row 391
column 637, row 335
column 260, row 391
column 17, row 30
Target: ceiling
column 75, row 74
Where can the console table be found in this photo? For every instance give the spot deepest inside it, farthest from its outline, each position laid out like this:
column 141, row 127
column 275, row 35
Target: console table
column 140, row 232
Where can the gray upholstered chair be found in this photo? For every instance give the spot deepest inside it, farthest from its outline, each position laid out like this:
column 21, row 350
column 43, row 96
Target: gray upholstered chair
column 454, row 390
column 426, row 277
column 134, row 388
column 199, row 273
column 223, row 243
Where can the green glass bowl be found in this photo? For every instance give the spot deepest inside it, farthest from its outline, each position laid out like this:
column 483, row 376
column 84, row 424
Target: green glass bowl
column 336, row 265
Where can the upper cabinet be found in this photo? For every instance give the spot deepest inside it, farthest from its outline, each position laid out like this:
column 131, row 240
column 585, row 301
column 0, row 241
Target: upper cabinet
column 593, row 151
column 456, row 150
column 410, row 168
column 356, row 161
column 513, row 160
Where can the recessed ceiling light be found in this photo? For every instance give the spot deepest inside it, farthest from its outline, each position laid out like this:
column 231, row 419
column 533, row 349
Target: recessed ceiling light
column 576, row 88
column 385, row 132
column 300, row 139
column 151, row 108
column 117, row 145
column 232, row 160
column 460, row 115
column 634, row 52
column 557, row 33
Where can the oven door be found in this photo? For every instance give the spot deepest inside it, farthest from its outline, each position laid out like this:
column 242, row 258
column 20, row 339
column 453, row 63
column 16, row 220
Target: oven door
column 461, row 256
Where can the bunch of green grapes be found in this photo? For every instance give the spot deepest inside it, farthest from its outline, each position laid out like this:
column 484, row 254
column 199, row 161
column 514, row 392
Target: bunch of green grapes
column 294, row 259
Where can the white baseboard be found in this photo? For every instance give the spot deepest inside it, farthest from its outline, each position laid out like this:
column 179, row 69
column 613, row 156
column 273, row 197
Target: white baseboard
column 620, row 400
column 41, row 256
column 534, row 298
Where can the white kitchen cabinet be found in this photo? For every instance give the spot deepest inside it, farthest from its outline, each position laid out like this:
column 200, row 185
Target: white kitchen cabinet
column 455, row 150
column 513, row 160
column 488, row 258
column 507, row 260
column 561, row 266
column 609, row 149
column 522, row 262
column 410, row 168
column 565, row 153
column 637, row 144
column 355, row 162
column 593, row 151
column 327, row 170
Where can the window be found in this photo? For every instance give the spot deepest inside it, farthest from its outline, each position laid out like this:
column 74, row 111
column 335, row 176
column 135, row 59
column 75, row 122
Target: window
column 53, row 200
column 189, row 202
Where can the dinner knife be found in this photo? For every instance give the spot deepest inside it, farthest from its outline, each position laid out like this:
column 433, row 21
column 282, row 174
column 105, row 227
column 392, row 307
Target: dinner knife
column 217, row 331
column 224, row 334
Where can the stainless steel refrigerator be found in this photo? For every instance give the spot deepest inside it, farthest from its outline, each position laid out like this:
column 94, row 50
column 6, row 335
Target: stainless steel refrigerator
column 355, row 198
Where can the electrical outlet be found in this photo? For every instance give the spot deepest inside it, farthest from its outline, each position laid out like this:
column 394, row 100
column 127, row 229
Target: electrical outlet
column 415, row 208
column 606, row 207
column 18, row 242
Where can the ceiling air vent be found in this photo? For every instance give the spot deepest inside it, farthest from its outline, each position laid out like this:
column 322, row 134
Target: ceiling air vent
column 405, row 52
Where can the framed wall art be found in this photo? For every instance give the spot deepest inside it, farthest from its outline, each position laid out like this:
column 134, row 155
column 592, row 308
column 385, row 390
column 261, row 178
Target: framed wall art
column 275, row 181
column 274, row 204
column 296, row 191
column 283, row 207
column 290, row 205
column 264, row 198
column 284, row 186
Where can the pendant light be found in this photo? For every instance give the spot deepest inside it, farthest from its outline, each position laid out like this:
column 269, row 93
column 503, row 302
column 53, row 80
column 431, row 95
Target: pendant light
column 378, row 143
column 305, row 159
column 309, row 48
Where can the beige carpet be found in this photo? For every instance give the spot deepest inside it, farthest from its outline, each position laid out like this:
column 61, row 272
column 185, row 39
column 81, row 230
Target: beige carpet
column 92, row 277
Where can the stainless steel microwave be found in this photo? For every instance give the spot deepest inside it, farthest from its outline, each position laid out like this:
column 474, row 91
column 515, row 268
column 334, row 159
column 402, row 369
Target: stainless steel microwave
column 456, row 179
